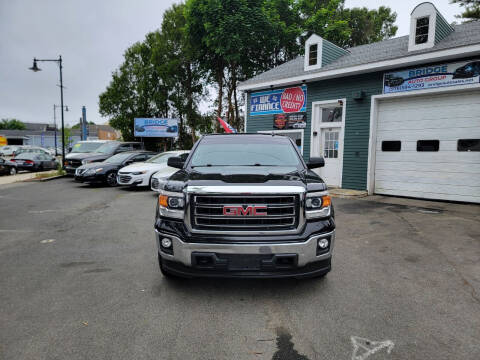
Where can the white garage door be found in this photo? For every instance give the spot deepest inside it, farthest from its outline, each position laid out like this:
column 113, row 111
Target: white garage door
column 429, row 147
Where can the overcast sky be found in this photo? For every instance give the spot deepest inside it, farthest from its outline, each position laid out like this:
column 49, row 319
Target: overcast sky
column 91, row 36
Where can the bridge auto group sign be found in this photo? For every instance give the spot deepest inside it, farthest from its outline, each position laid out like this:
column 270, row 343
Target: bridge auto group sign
column 289, row 100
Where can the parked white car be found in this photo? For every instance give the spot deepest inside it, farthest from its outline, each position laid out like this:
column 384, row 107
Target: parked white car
column 140, row 174
column 8, row 150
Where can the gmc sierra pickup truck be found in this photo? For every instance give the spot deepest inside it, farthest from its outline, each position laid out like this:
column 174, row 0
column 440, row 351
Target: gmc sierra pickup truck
column 244, row 205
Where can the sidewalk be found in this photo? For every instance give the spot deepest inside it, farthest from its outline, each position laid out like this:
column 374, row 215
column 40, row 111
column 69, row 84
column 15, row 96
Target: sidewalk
column 10, row 179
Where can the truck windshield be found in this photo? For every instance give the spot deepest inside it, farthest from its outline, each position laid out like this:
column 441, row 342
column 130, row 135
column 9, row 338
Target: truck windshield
column 86, row 147
column 106, row 148
column 245, row 153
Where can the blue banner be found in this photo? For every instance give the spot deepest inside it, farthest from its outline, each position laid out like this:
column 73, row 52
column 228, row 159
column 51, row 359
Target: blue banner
column 428, row 77
column 279, row 101
column 156, row 127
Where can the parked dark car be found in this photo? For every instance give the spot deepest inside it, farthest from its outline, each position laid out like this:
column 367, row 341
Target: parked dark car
column 468, row 70
column 35, row 162
column 110, row 148
column 7, row 167
column 105, row 172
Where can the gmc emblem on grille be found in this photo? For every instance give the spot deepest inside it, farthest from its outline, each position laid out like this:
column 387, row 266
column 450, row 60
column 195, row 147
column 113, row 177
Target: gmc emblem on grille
column 249, row 210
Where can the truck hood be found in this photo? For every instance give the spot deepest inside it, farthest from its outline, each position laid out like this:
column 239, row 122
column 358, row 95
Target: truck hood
column 83, row 156
column 242, row 175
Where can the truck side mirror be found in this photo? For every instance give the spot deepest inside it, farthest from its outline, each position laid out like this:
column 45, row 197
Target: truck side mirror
column 176, row 162
column 316, row 162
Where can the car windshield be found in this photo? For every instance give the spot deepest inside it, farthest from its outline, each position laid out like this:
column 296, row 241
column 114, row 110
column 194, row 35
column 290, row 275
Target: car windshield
column 161, row 158
column 118, row 159
column 86, row 147
column 106, row 148
column 242, row 151
column 26, row 156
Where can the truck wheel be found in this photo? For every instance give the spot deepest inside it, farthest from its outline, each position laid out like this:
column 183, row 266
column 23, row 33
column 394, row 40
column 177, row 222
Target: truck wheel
column 163, row 271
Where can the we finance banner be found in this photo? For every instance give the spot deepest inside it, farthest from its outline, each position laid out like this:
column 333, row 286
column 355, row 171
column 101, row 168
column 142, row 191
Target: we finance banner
column 428, row 77
column 289, row 100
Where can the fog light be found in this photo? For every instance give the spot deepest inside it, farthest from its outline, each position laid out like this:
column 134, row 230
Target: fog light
column 166, row 243
column 323, row 243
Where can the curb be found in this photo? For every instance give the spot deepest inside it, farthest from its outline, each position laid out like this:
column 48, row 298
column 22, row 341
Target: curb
column 52, row 178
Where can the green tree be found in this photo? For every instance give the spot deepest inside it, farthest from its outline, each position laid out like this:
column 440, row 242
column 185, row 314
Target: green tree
column 12, row 124
column 178, row 64
column 347, row 27
column 78, row 125
column 472, row 9
column 136, row 89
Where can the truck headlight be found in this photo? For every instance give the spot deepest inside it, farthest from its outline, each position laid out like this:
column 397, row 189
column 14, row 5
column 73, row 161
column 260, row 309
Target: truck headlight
column 318, row 205
column 171, row 204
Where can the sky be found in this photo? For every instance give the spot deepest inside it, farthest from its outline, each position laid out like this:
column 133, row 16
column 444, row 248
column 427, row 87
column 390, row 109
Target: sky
column 92, row 36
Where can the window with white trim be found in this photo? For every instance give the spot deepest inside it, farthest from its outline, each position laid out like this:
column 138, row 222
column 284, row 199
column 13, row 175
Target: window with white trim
column 421, row 30
column 313, row 54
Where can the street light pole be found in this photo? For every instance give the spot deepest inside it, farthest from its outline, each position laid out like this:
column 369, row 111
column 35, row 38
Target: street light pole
column 35, row 68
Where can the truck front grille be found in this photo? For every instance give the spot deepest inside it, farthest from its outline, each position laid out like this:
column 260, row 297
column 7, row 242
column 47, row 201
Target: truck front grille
column 244, row 213
column 74, row 163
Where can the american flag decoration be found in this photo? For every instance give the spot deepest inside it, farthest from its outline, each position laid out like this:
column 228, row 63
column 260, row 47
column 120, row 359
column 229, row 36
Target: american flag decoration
column 226, row 126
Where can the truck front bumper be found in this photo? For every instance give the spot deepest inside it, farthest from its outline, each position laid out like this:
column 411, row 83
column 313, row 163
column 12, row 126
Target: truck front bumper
column 258, row 259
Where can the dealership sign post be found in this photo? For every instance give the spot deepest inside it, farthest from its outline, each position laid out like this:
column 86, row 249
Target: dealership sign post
column 156, row 127
column 428, row 77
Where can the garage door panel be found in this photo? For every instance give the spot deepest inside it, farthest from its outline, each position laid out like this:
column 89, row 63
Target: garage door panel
column 467, row 168
column 456, row 189
column 425, row 177
column 432, row 195
column 431, row 102
column 430, row 134
column 460, row 122
column 411, row 146
column 443, row 157
column 446, row 174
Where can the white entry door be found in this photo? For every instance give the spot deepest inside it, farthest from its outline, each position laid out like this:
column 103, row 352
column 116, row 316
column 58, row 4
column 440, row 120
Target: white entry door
column 327, row 140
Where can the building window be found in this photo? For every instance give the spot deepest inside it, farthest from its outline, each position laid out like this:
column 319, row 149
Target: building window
column 468, row 145
column 428, row 145
column 330, row 149
column 332, row 114
column 421, row 30
column 312, row 54
column 391, row 145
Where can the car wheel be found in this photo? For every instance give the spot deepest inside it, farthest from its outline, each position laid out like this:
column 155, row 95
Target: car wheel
column 112, row 179
column 13, row 171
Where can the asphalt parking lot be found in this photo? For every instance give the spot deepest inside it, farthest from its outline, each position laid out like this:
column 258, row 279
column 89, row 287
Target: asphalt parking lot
column 79, row 280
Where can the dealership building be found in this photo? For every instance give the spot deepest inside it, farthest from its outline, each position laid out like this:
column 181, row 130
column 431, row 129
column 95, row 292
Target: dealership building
column 397, row 117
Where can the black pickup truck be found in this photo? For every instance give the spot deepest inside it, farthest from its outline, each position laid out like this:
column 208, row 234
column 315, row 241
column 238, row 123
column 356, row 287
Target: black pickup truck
column 244, row 205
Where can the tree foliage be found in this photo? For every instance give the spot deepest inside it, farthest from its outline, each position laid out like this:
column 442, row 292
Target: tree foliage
column 218, row 43
column 472, row 9
column 12, row 124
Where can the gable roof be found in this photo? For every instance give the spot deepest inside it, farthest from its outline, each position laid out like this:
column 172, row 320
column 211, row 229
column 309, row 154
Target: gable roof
column 464, row 35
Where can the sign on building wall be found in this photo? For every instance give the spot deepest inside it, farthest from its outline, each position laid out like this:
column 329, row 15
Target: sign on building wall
column 156, row 127
column 289, row 100
column 428, row 77
column 290, row 121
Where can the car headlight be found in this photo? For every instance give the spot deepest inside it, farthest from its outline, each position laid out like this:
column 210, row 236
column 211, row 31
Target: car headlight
column 171, row 204
column 318, row 205
column 90, row 172
column 139, row 172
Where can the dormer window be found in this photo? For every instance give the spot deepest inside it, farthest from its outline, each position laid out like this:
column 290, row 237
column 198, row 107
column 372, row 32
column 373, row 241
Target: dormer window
column 313, row 55
column 421, row 30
